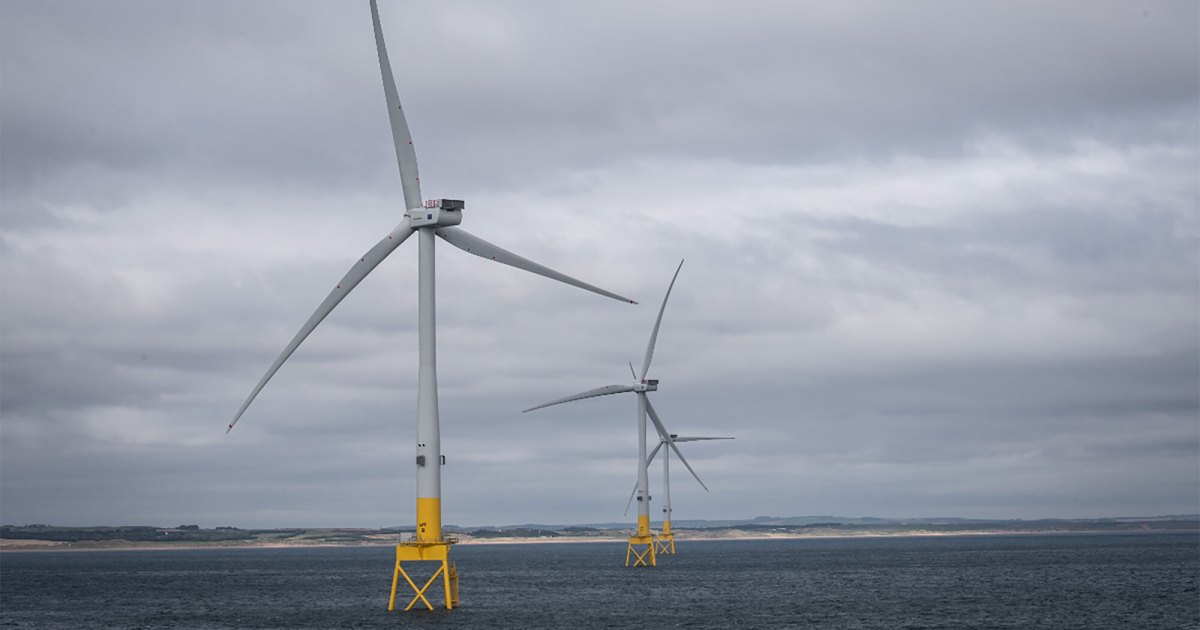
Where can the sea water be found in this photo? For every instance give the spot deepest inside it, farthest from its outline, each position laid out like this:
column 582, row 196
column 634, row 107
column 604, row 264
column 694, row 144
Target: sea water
column 1091, row 582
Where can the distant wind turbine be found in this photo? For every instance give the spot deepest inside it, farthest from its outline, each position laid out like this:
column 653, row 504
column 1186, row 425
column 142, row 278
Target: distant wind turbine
column 666, row 538
column 428, row 219
column 641, row 544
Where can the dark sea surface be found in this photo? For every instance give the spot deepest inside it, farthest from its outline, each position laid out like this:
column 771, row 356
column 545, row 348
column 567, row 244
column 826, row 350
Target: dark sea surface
column 1092, row 582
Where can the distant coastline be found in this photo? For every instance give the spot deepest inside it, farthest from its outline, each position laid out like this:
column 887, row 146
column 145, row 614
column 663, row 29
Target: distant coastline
column 47, row 538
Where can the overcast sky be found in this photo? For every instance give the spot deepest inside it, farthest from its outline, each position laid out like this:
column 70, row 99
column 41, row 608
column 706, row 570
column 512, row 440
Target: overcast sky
column 941, row 257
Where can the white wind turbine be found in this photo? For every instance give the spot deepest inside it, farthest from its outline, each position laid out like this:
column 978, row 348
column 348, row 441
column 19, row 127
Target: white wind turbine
column 666, row 538
column 428, row 219
column 642, row 539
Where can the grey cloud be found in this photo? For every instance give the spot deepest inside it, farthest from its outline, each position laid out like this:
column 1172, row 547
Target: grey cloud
column 940, row 259
column 1068, row 250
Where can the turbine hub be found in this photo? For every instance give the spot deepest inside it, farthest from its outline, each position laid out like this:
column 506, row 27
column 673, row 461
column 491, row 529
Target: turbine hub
column 649, row 385
column 437, row 213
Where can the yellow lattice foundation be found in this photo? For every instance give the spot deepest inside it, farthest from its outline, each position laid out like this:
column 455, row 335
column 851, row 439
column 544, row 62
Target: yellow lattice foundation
column 665, row 544
column 430, row 552
column 640, row 552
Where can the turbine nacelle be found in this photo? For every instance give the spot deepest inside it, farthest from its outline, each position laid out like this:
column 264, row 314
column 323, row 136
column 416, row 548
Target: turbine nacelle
column 649, row 385
column 437, row 213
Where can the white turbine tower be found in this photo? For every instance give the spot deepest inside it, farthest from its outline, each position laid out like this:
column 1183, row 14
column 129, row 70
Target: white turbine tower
column 428, row 219
column 666, row 538
column 641, row 543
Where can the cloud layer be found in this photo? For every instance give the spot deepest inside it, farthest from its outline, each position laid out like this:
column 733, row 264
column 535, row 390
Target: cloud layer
column 939, row 260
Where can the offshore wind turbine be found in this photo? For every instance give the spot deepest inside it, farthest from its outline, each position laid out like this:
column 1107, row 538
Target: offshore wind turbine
column 641, row 543
column 666, row 538
column 429, row 219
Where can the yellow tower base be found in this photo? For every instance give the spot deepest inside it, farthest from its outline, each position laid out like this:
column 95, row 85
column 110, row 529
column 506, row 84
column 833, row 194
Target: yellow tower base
column 641, row 544
column 640, row 551
column 420, row 551
column 666, row 544
column 666, row 539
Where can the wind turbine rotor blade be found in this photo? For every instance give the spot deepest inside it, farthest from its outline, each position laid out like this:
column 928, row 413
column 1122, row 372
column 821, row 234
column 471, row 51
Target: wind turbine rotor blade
column 666, row 438
column 650, row 457
column 474, row 245
column 657, row 323
column 697, row 439
column 406, row 155
column 591, row 393
column 630, row 501
column 368, row 262
column 685, row 463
